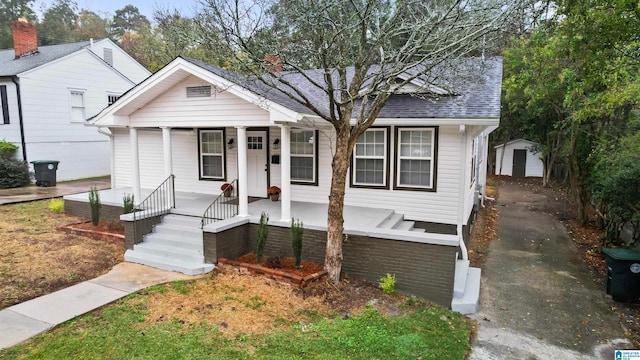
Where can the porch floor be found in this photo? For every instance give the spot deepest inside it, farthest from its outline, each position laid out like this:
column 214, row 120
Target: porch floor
column 311, row 214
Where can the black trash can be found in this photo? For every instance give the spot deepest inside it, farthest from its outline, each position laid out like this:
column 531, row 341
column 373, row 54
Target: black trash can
column 623, row 274
column 45, row 171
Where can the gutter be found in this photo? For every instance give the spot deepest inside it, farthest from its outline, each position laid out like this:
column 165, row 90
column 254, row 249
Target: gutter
column 20, row 118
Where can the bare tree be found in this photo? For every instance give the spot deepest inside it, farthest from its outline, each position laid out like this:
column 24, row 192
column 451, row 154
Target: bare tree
column 365, row 51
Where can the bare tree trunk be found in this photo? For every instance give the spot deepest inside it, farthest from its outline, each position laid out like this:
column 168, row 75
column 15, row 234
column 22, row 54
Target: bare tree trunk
column 335, row 215
column 577, row 188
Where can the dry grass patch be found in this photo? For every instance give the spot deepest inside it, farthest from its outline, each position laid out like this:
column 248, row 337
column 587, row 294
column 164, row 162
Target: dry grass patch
column 36, row 259
column 235, row 303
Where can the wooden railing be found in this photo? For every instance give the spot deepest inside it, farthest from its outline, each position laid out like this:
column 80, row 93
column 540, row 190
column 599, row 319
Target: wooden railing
column 159, row 202
column 225, row 206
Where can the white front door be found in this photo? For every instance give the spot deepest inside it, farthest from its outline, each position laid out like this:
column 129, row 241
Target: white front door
column 257, row 143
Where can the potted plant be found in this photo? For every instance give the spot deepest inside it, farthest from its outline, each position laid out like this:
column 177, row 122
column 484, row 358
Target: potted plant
column 7, row 149
column 227, row 189
column 274, row 193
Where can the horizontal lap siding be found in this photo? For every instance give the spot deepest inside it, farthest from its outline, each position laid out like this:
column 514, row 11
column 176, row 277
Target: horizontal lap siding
column 11, row 131
column 122, row 158
column 121, row 61
column 173, row 108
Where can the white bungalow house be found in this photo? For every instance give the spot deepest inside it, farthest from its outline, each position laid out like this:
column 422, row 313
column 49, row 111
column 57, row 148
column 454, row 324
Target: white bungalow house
column 48, row 92
column 519, row 158
column 415, row 179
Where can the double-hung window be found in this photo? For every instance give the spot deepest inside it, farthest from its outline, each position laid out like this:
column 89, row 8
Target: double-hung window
column 415, row 162
column 304, row 156
column 4, row 105
column 77, row 106
column 212, row 154
column 370, row 159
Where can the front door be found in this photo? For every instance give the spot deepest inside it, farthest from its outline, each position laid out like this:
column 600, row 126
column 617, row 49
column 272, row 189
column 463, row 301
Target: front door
column 257, row 163
column 519, row 163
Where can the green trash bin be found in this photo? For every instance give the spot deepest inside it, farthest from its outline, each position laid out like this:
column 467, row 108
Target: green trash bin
column 45, row 172
column 623, row 274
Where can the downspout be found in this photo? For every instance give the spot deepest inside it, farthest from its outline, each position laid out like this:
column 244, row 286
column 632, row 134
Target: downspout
column 462, row 202
column 20, row 118
column 113, row 164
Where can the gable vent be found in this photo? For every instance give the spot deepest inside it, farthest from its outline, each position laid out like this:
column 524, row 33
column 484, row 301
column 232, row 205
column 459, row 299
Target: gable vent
column 199, row 91
column 108, row 56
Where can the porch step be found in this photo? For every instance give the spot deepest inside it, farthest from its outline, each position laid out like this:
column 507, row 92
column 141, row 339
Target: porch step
column 405, row 225
column 168, row 264
column 468, row 302
column 391, row 221
column 415, row 229
column 175, row 244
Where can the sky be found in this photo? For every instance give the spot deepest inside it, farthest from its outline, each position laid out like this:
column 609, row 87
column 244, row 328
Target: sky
column 146, row 7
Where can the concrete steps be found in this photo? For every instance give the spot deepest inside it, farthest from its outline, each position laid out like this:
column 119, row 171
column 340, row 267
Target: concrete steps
column 175, row 244
column 397, row 222
column 466, row 301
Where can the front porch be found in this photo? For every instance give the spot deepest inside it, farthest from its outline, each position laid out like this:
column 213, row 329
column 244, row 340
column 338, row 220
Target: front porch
column 377, row 242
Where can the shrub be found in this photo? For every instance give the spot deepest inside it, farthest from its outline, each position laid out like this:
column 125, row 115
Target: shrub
column 296, row 240
column 388, row 284
column 263, row 233
column 56, row 205
column 94, row 203
column 128, row 203
column 13, row 173
column 7, row 149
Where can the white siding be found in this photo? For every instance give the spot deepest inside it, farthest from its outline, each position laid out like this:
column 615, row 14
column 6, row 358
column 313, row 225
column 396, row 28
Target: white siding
column 122, row 61
column 174, row 109
column 50, row 133
column 534, row 166
column 11, row 131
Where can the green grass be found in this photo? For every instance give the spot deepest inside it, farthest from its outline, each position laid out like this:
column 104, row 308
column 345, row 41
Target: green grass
column 119, row 332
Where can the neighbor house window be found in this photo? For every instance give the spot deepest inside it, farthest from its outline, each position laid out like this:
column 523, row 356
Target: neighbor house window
column 212, row 154
column 77, row 106
column 5, row 104
column 304, row 156
column 198, row 91
column 415, row 164
column 370, row 159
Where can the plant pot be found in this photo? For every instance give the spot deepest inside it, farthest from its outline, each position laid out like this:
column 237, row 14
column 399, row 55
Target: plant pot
column 227, row 193
column 274, row 197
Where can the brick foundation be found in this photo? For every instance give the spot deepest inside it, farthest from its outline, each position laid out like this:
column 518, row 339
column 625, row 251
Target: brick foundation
column 82, row 209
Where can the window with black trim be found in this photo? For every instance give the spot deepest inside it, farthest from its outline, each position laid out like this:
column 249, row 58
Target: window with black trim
column 370, row 159
column 212, row 154
column 416, row 157
column 304, row 156
column 4, row 104
column 111, row 98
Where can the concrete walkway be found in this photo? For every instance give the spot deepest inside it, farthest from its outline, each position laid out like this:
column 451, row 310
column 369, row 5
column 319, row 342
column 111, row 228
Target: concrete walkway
column 538, row 299
column 21, row 322
column 32, row 192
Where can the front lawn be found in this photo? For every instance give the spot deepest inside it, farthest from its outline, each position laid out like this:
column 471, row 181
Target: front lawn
column 231, row 316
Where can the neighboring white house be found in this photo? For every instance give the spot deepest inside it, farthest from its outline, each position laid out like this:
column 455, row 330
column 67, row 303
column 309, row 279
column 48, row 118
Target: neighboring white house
column 518, row 158
column 47, row 94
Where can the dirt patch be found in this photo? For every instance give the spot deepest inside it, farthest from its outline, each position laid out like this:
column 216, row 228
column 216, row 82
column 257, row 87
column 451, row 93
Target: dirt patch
column 242, row 304
column 484, row 230
column 37, row 259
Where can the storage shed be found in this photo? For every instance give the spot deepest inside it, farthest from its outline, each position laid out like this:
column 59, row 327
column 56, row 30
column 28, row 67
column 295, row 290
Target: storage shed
column 520, row 159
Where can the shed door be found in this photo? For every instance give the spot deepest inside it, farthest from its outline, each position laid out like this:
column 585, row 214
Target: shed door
column 519, row 163
column 257, row 163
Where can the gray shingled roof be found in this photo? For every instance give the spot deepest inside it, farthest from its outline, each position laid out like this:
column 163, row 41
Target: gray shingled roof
column 476, row 83
column 10, row 66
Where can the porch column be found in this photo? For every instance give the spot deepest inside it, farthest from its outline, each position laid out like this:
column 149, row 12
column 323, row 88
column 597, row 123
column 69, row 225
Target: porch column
column 135, row 164
column 285, row 172
column 166, row 149
column 243, row 200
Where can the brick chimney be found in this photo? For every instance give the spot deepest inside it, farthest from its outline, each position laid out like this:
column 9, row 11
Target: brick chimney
column 25, row 38
column 273, row 63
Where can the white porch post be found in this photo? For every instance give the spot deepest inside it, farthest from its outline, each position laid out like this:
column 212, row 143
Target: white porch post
column 285, row 172
column 135, row 169
column 243, row 200
column 166, row 149
column 168, row 160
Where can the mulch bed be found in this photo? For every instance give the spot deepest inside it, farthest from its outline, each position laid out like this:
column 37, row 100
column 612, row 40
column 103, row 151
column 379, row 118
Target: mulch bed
column 112, row 232
column 278, row 268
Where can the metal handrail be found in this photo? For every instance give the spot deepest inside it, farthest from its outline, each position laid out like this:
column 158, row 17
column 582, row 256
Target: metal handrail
column 159, row 202
column 224, row 206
